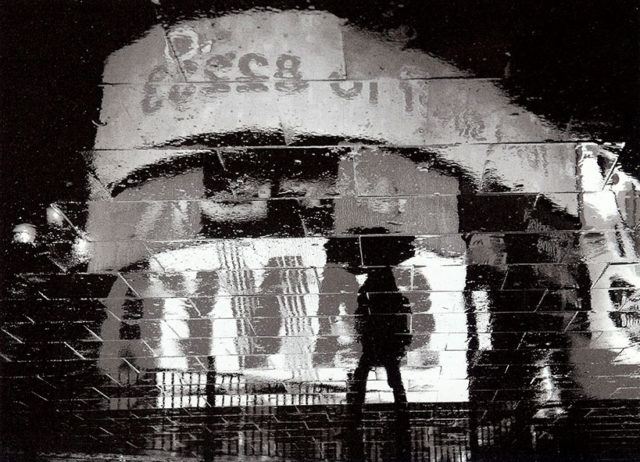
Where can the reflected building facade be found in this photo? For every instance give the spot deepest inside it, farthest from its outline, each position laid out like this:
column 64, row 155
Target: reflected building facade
column 504, row 294
column 284, row 309
column 320, row 217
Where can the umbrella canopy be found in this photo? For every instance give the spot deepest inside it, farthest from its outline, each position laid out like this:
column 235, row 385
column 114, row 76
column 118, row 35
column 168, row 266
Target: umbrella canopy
column 376, row 251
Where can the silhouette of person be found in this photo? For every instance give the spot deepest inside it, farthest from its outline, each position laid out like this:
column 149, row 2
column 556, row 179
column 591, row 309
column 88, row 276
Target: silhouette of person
column 382, row 326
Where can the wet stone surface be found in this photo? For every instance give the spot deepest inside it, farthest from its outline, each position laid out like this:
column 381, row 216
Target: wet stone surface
column 301, row 238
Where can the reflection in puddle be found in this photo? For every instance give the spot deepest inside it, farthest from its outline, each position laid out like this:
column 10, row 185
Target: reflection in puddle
column 284, row 310
column 287, row 310
column 312, row 218
column 262, row 258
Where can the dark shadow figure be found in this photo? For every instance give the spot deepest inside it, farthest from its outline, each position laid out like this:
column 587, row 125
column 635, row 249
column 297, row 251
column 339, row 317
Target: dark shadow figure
column 383, row 329
column 383, row 314
column 382, row 326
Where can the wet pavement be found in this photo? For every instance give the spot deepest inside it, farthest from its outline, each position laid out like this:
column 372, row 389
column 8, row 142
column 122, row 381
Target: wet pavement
column 295, row 237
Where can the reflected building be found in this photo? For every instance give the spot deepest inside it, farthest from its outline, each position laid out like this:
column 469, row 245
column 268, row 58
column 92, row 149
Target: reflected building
column 254, row 196
column 283, row 308
column 248, row 254
column 383, row 327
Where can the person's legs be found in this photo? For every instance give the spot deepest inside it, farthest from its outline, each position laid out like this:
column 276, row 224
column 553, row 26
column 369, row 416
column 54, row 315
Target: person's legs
column 357, row 386
column 356, row 391
column 394, row 379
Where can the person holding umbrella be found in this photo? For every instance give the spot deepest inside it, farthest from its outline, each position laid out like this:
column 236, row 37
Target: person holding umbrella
column 382, row 315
